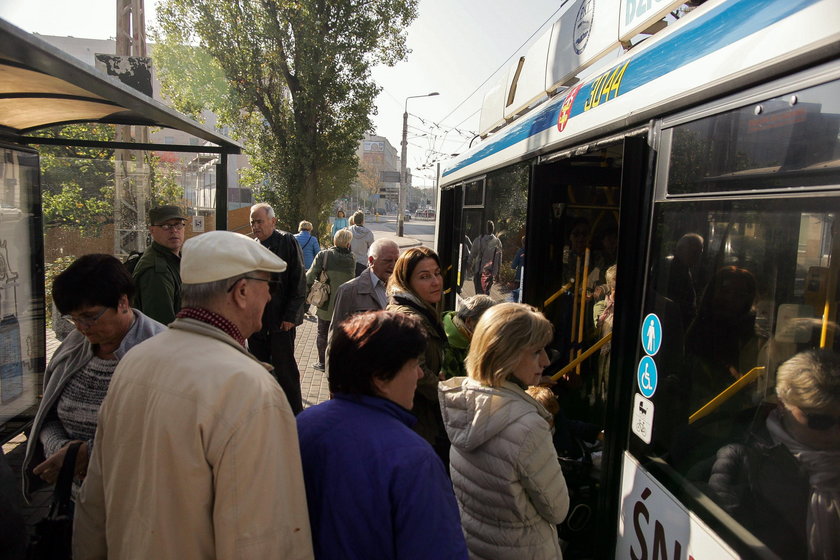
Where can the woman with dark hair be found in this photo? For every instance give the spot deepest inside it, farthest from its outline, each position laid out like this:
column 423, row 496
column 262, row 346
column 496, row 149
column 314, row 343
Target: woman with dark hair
column 375, row 489
column 415, row 288
column 93, row 294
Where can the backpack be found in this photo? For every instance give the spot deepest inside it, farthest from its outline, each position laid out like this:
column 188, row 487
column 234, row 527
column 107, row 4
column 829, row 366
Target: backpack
column 131, row 261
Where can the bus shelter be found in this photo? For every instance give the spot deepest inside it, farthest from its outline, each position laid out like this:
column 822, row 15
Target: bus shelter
column 42, row 88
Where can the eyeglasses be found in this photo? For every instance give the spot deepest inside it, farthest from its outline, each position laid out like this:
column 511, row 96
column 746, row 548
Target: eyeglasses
column 272, row 284
column 84, row 321
column 821, row 422
column 169, row 227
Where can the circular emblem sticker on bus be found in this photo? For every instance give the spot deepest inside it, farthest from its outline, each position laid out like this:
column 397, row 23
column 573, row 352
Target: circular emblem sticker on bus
column 566, row 107
column 583, row 25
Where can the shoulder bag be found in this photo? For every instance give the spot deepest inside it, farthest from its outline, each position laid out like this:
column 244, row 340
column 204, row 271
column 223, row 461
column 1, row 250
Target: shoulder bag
column 53, row 535
column 319, row 293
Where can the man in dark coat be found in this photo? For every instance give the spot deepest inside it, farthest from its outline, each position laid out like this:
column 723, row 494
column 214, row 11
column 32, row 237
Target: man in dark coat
column 275, row 342
column 158, row 272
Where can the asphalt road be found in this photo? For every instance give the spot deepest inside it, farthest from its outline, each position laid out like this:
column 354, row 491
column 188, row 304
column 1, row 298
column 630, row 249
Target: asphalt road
column 420, row 229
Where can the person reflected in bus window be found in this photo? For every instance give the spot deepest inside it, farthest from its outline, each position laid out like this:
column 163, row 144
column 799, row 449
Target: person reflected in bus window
column 680, row 284
column 486, row 257
column 722, row 344
column 783, row 482
column 518, row 264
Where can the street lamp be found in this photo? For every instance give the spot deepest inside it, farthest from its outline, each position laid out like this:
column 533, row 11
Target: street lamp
column 403, row 192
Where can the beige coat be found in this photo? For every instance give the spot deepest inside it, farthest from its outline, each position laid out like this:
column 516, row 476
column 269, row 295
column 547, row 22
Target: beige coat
column 507, row 478
column 196, row 457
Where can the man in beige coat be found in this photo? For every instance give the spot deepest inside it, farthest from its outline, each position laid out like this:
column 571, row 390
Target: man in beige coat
column 196, row 455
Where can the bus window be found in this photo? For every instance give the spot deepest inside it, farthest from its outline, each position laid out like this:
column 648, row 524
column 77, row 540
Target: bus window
column 491, row 232
column 739, row 286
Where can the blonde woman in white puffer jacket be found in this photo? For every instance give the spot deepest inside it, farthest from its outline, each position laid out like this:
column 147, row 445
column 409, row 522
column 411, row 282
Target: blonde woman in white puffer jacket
column 510, row 488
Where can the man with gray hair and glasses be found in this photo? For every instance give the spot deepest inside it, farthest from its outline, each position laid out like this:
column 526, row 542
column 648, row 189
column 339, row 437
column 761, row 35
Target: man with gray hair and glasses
column 196, row 453
column 366, row 292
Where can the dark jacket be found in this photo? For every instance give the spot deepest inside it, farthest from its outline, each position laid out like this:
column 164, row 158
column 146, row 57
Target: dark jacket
column 762, row 486
column 158, row 280
column 288, row 299
column 375, row 489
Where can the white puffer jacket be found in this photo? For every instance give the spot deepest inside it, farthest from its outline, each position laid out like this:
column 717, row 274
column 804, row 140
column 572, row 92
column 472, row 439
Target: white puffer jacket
column 510, row 488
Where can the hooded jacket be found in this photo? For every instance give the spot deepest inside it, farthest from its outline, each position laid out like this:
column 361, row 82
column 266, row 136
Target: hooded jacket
column 361, row 242
column 510, row 488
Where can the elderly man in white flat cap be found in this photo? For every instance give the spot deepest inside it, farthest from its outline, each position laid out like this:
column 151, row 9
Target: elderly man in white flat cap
column 196, row 453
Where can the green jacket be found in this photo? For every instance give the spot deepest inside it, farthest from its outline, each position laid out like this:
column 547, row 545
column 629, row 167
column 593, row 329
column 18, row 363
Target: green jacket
column 455, row 353
column 341, row 267
column 158, row 281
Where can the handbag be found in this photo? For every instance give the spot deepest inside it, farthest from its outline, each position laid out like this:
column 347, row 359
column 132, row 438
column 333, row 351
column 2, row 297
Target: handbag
column 319, row 293
column 53, row 535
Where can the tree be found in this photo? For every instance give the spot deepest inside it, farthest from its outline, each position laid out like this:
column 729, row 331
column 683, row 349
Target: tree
column 299, row 87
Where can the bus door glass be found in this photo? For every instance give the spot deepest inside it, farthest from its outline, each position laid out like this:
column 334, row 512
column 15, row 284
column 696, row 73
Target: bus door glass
column 491, row 233
column 737, row 401
column 575, row 220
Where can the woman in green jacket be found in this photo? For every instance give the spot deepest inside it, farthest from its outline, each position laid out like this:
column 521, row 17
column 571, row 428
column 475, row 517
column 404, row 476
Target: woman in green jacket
column 339, row 265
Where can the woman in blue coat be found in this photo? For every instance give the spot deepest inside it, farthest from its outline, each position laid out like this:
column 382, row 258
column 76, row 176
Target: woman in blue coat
column 375, row 489
column 308, row 243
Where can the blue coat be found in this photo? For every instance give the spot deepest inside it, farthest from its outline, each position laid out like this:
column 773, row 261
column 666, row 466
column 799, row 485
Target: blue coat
column 375, row 489
column 309, row 246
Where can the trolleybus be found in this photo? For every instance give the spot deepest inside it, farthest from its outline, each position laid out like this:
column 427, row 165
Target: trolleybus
column 703, row 161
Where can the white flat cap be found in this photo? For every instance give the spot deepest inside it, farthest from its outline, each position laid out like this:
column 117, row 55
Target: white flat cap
column 217, row 255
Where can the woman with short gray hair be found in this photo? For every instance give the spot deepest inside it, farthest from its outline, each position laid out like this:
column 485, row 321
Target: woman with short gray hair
column 783, row 482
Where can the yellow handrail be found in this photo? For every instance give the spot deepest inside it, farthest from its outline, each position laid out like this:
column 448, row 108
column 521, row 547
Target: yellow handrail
column 726, row 394
column 565, row 288
column 571, row 365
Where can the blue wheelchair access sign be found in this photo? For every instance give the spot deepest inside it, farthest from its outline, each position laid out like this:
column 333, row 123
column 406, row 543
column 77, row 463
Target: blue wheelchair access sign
column 651, row 334
column 647, row 377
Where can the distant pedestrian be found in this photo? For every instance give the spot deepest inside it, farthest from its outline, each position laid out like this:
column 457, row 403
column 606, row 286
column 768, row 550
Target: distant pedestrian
column 362, row 240
column 197, row 455
column 308, row 243
column 339, row 266
column 275, row 341
column 376, row 489
column 157, row 273
column 367, row 292
column 340, row 222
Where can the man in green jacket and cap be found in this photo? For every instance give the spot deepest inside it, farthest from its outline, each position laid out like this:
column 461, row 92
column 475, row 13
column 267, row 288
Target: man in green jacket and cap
column 158, row 272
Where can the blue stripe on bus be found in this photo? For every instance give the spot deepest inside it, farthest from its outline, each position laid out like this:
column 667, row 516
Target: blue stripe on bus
column 712, row 31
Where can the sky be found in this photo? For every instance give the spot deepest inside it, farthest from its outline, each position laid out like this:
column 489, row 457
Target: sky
column 456, row 46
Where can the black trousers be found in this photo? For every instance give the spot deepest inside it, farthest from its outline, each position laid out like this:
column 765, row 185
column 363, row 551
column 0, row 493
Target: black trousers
column 321, row 339
column 278, row 349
